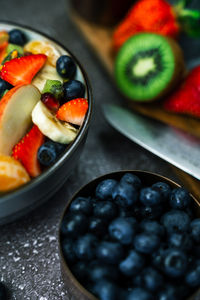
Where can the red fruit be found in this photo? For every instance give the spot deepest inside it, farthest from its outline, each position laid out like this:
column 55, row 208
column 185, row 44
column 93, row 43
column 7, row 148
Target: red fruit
column 187, row 98
column 21, row 70
column 155, row 16
column 26, row 151
column 3, row 53
column 50, row 101
column 73, row 111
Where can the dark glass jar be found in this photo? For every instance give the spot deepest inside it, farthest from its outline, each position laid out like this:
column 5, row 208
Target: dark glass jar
column 103, row 12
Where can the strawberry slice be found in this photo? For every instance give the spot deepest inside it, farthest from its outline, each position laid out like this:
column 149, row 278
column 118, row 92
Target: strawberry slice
column 73, row 111
column 187, row 98
column 26, row 151
column 22, row 70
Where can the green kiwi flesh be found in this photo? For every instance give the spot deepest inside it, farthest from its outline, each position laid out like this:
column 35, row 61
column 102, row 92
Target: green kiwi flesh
column 148, row 66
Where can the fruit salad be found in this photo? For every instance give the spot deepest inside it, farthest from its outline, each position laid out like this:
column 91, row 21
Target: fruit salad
column 42, row 106
column 129, row 240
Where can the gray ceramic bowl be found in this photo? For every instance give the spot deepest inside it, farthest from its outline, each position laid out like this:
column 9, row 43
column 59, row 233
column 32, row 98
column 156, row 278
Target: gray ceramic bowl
column 20, row 201
column 75, row 289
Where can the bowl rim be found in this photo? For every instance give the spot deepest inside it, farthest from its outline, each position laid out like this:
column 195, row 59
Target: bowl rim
column 63, row 262
column 81, row 132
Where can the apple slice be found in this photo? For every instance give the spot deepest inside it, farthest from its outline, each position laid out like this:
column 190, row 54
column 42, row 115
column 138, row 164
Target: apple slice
column 15, row 115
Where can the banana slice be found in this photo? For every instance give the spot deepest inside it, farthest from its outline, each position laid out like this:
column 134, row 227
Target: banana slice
column 50, row 126
column 47, row 72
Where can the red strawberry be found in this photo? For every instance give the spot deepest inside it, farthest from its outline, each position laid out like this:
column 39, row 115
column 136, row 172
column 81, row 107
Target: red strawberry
column 156, row 16
column 22, row 70
column 50, row 101
column 187, row 98
column 26, row 151
column 73, row 111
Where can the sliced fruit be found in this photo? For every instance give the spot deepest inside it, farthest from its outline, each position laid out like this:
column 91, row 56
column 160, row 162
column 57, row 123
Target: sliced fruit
column 26, row 151
column 47, row 72
column 44, row 47
column 12, row 173
column 11, row 55
column 148, row 66
column 50, row 101
column 22, row 70
column 15, row 115
column 54, row 87
column 186, row 99
column 12, row 47
column 73, row 111
column 4, row 36
column 3, row 52
column 50, row 126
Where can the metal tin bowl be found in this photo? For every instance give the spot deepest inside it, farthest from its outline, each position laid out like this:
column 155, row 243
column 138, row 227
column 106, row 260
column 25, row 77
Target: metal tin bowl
column 18, row 202
column 75, row 289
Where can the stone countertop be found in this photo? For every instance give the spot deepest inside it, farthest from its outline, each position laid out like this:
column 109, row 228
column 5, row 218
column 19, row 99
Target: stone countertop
column 29, row 261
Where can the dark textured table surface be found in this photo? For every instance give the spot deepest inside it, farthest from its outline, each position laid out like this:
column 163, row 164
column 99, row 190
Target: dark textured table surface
column 29, row 261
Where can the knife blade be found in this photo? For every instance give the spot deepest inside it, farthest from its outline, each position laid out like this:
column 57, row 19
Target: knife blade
column 180, row 149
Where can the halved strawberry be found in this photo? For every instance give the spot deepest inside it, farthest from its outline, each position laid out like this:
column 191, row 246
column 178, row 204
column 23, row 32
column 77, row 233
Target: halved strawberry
column 22, row 70
column 73, row 111
column 26, row 151
column 186, row 99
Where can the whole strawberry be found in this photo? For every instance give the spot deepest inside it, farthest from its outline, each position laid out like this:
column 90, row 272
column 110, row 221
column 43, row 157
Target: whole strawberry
column 186, row 99
column 157, row 16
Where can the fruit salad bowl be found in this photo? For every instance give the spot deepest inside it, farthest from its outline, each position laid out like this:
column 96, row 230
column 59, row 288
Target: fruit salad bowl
column 67, row 137
column 94, row 232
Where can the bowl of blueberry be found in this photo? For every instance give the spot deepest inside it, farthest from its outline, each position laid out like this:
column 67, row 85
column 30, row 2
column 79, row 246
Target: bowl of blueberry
column 131, row 235
column 45, row 112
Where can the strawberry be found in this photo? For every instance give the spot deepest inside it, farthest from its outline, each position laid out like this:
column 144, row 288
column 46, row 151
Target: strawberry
column 156, row 16
column 26, row 151
column 73, row 111
column 187, row 98
column 21, row 70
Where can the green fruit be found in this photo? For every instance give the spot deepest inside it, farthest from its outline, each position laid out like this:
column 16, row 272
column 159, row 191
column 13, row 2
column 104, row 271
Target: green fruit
column 54, row 87
column 12, row 47
column 148, row 66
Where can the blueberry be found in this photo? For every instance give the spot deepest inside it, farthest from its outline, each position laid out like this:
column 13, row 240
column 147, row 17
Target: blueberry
column 168, row 293
column 139, row 294
column 150, row 197
column 66, row 66
column 68, row 250
column 3, row 292
column 132, row 264
column 17, row 37
column 105, row 209
column 109, row 252
column 82, row 205
column 146, row 242
column 80, row 271
column 157, row 256
column 176, row 221
column 151, row 279
column 85, row 246
column 4, row 85
column 151, row 212
column 181, row 241
column 193, row 278
column 195, row 230
column 163, row 188
column 131, row 179
column 124, row 212
column 74, row 224
column 153, row 227
column 98, row 271
column 125, row 194
column 97, row 226
column 123, row 230
column 180, row 198
column 106, row 290
column 174, row 263
column 47, row 154
column 105, row 188
column 73, row 89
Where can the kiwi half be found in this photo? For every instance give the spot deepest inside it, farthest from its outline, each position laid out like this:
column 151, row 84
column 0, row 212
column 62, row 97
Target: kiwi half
column 148, row 66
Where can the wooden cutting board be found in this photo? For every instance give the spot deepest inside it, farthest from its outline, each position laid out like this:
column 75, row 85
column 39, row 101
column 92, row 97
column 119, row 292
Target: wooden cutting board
column 99, row 38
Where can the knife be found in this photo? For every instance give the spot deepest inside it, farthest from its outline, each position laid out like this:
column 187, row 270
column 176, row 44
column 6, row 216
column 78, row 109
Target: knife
column 180, row 149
